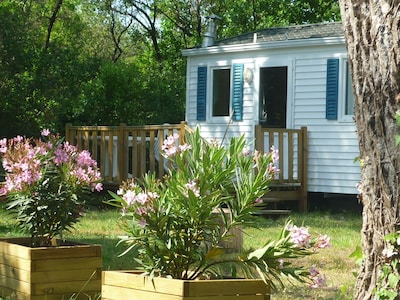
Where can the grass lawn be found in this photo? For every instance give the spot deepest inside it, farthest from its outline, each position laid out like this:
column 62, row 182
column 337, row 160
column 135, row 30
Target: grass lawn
column 101, row 227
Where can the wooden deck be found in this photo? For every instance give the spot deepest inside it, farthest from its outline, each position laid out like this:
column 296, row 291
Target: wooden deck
column 131, row 151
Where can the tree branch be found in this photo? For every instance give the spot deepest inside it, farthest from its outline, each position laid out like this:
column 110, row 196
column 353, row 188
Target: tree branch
column 53, row 19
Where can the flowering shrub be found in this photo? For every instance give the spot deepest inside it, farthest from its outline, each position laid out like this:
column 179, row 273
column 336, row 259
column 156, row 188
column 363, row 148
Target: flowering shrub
column 174, row 226
column 43, row 181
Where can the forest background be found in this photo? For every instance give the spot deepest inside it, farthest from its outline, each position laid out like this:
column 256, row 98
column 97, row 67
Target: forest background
column 106, row 62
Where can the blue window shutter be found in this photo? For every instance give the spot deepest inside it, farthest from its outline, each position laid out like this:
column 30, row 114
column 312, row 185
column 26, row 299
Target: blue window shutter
column 237, row 92
column 332, row 88
column 201, row 93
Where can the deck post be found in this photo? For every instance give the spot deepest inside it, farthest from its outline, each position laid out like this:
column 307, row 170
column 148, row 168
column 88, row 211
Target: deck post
column 182, row 132
column 303, row 205
column 68, row 133
column 120, row 152
column 259, row 136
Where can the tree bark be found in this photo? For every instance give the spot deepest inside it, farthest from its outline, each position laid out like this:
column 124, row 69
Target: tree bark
column 373, row 43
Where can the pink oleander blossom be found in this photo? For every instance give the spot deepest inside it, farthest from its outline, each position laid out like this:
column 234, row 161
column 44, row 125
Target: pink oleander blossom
column 299, row 236
column 246, row 151
column 275, row 154
column 318, row 280
column 184, row 147
column 258, row 201
column 323, row 241
column 171, row 147
column 137, row 200
column 192, row 185
column 45, row 132
column 47, row 169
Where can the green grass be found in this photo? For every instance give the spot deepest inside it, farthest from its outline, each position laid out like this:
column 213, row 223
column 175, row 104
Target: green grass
column 344, row 230
column 101, row 227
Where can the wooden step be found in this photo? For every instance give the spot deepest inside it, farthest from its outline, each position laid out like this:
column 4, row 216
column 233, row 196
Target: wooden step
column 270, row 200
column 265, row 212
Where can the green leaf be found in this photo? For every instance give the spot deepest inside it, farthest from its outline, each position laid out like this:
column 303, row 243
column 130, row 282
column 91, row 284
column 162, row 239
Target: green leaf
column 393, row 280
column 358, row 255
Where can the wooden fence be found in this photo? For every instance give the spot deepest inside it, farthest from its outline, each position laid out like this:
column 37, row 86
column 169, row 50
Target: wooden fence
column 291, row 181
column 125, row 151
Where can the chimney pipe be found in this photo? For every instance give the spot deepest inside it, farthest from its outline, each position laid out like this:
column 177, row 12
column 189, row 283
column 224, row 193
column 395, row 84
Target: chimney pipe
column 210, row 35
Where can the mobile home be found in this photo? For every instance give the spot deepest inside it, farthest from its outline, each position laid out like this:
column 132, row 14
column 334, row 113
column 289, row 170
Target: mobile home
column 287, row 77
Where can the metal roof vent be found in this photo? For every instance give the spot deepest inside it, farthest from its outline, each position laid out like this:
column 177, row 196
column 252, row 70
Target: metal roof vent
column 210, row 35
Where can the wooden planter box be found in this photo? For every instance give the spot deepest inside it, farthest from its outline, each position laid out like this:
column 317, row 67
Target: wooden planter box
column 119, row 285
column 49, row 272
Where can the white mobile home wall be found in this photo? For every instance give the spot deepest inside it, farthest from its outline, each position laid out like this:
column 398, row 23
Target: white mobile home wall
column 332, row 144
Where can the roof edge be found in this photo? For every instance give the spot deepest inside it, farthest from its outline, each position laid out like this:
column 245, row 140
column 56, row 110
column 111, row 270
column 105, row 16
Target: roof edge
column 264, row 45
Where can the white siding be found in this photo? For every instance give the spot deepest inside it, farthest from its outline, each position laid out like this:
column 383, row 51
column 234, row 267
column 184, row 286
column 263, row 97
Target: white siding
column 332, row 145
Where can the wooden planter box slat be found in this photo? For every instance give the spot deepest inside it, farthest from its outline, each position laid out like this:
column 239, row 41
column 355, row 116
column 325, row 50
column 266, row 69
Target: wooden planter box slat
column 48, row 272
column 125, row 284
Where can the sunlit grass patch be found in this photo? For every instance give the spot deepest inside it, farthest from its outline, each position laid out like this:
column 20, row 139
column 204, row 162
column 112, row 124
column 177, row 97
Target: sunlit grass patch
column 101, row 227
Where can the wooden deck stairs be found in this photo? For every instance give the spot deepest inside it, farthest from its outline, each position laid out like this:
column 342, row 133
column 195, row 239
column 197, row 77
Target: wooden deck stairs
column 290, row 184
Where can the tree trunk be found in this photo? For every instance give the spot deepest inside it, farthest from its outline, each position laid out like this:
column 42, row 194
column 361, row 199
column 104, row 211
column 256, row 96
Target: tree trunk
column 373, row 38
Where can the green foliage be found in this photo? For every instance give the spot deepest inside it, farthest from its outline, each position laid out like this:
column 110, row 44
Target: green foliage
column 176, row 227
column 389, row 277
column 108, row 62
column 245, row 16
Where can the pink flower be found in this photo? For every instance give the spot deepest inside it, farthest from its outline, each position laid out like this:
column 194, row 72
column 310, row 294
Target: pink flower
column 323, row 241
column 85, row 159
column 3, row 145
column 258, row 201
column 184, row 147
column 281, row 263
column 129, row 197
column 170, row 145
column 142, row 222
column 45, row 132
column 97, row 186
column 318, row 279
column 60, row 155
column 142, row 198
column 275, row 154
column 299, row 236
column 192, row 185
column 246, row 151
column 18, row 139
column 170, row 151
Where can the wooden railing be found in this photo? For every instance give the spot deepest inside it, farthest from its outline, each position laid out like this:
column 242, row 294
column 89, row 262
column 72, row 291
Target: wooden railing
column 125, row 151
column 291, row 182
column 131, row 151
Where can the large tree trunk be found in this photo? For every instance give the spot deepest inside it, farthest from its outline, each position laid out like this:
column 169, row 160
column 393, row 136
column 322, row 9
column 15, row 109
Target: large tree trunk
column 373, row 38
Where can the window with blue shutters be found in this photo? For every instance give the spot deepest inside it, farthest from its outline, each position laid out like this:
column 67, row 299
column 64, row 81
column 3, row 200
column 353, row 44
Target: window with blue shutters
column 226, row 95
column 332, row 89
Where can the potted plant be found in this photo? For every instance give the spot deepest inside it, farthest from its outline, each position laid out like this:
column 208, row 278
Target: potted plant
column 177, row 238
column 45, row 180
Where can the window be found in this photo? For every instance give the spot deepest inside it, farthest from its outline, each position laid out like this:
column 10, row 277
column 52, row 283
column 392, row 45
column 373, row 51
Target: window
column 221, row 92
column 222, row 95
